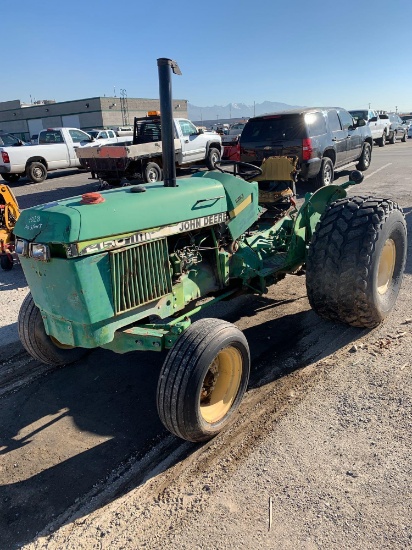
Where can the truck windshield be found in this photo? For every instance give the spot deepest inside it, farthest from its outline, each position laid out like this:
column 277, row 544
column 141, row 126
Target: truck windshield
column 359, row 114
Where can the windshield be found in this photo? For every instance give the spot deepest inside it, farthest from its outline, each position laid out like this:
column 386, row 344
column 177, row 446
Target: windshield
column 8, row 139
column 359, row 114
column 276, row 128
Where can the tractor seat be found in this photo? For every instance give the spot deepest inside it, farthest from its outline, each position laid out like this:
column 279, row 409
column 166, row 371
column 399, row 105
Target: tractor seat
column 277, row 181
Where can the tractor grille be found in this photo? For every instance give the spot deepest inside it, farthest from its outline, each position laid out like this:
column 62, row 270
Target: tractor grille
column 140, row 274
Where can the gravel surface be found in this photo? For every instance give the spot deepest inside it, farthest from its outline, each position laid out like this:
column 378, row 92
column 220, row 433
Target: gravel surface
column 317, row 457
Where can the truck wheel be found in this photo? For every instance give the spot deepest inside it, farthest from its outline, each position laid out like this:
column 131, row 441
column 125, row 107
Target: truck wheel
column 11, row 178
column 213, row 157
column 36, row 172
column 365, row 158
column 325, row 175
column 39, row 345
column 6, row 261
column 392, row 139
column 203, row 379
column 152, row 172
column 356, row 261
column 382, row 140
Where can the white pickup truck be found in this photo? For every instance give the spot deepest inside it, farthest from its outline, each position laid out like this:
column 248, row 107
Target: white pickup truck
column 378, row 123
column 56, row 150
column 143, row 161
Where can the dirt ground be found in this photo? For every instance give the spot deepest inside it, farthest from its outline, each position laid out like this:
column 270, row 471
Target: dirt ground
column 317, row 457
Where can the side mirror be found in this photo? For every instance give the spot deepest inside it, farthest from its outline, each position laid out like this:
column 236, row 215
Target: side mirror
column 361, row 122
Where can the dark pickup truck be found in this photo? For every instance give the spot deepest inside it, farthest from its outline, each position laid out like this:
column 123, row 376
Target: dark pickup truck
column 323, row 139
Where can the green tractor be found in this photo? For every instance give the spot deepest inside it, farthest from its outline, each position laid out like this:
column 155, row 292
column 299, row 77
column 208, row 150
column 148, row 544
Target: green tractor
column 127, row 268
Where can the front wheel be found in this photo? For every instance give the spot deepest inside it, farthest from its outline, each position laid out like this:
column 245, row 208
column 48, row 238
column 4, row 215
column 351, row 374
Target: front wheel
column 213, row 157
column 382, row 141
column 11, row 178
column 203, row 379
column 152, row 172
column 356, row 261
column 392, row 139
column 36, row 172
column 403, row 138
column 40, row 345
column 365, row 158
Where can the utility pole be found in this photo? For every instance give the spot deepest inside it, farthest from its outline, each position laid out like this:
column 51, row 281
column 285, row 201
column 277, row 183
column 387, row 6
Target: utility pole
column 369, row 105
column 230, row 110
column 253, row 108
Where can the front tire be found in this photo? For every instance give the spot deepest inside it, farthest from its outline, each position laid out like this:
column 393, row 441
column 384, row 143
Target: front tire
column 11, row 178
column 365, row 158
column 203, row 380
column 356, row 261
column 392, row 139
column 382, row 140
column 403, row 138
column 213, row 157
column 39, row 344
column 36, row 172
column 152, row 172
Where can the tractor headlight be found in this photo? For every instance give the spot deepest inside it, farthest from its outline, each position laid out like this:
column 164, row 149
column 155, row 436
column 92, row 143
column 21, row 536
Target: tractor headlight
column 40, row 252
column 22, row 247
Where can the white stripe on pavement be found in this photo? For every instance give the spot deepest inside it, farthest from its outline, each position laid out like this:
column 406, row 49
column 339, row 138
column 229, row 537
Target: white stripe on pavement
column 378, row 170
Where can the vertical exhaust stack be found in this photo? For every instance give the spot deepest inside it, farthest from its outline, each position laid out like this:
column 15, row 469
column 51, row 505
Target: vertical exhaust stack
column 165, row 66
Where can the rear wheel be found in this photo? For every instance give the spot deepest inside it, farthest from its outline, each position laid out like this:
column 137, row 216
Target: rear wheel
column 6, row 261
column 203, row 379
column 152, row 172
column 36, row 172
column 356, row 261
column 11, row 178
column 213, row 157
column 325, row 176
column 365, row 158
column 40, row 345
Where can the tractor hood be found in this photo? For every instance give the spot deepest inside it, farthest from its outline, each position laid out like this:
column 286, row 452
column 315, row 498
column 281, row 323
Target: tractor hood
column 122, row 211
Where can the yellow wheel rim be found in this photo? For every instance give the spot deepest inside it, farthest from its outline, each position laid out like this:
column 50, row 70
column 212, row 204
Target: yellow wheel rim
column 386, row 266
column 221, row 384
column 59, row 344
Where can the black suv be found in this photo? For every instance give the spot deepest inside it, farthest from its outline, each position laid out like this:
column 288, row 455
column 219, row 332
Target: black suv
column 397, row 130
column 322, row 138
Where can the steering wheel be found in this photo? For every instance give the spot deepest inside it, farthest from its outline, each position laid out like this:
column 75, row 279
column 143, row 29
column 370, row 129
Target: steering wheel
column 250, row 172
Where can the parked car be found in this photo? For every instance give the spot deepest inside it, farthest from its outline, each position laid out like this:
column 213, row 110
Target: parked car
column 230, row 142
column 323, row 139
column 396, row 130
column 378, row 123
column 410, row 131
column 8, row 140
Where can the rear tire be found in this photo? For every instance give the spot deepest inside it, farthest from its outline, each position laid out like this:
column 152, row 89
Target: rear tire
column 365, row 158
column 203, row 379
column 11, row 178
column 213, row 156
column 325, row 176
column 6, row 261
column 36, row 172
column 39, row 344
column 356, row 261
column 152, row 172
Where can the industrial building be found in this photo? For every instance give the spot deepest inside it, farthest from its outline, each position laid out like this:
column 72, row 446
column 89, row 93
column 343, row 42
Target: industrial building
column 25, row 120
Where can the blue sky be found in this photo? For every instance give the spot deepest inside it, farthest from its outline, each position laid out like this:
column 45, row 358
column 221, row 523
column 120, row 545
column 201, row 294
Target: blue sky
column 347, row 53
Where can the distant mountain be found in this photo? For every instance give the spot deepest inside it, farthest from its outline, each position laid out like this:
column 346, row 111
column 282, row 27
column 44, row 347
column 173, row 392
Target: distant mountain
column 235, row 110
